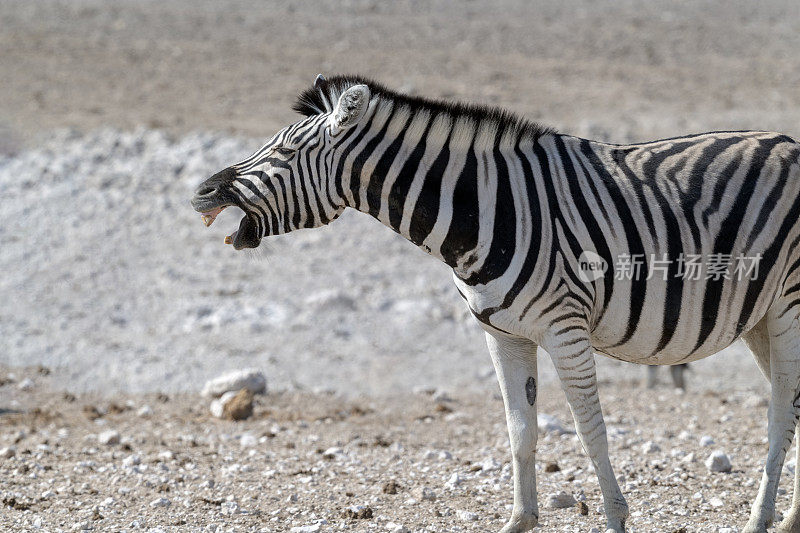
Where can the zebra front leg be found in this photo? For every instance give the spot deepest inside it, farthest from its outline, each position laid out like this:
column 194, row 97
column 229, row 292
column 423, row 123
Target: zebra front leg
column 784, row 369
column 514, row 362
column 573, row 358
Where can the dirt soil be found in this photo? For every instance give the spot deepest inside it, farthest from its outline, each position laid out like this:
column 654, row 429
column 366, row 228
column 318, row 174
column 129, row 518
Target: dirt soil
column 420, row 462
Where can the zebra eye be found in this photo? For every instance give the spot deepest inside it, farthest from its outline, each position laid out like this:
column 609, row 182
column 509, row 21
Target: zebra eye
column 286, row 152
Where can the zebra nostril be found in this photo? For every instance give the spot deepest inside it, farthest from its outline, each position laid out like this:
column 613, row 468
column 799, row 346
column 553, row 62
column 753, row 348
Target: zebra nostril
column 206, row 191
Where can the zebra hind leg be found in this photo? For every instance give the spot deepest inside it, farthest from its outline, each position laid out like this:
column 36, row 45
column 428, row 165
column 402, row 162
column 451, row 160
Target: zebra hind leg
column 573, row 359
column 515, row 364
column 784, row 371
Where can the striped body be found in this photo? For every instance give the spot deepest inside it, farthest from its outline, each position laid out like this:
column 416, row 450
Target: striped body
column 527, row 219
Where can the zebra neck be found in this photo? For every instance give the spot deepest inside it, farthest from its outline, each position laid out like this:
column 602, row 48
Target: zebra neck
column 433, row 182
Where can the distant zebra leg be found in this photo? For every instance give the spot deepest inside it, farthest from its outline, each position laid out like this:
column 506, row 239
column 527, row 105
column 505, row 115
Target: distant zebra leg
column 574, row 362
column 652, row 376
column 784, row 366
column 514, row 362
column 677, row 372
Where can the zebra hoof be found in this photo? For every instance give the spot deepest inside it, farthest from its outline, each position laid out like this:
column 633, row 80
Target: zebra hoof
column 790, row 524
column 520, row 524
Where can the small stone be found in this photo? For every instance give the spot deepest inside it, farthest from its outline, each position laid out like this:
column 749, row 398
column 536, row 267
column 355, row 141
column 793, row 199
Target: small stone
column 248, row 440
column 305, row 529
column 391, row 487
column 8, row 452
column 426, row 493
column 467, row 516
column 552, row 467
column 46, row 495
column 455, row 480
column 560, row 500
column 396, row 528
column 233, row 405
column 229, row 508
column 650, row 447
column 358, row 512
column 582, row 508
column 705, row 440
column 131, row 460
column 550, row 424
column 716, row 502
column 145, row 411
column 26, row 384
column 331, row 453
column 250, row 378
column 160, row 502
column 718, row 462
column 109, row 437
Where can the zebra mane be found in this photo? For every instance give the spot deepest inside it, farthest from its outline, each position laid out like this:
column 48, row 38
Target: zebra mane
column 322, row 99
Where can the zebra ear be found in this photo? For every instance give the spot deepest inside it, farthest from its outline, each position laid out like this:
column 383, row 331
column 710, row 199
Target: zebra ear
column 351, row 107
column 321, row 84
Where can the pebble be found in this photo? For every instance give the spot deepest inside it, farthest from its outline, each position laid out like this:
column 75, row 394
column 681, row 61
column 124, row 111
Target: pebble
column 455, row 480
column 305, row 529
column 560, row 500
column 26, row 384
column 550, row 424
column 233, row 405
column 145, row 411
column 251, row 379
column 705, row 440
column 467, row 516
column 109, row 437
column 357, row 512
column 7, row 452
column 229, row 508
column 160, row 502
column 650, row 447
column 718, row 462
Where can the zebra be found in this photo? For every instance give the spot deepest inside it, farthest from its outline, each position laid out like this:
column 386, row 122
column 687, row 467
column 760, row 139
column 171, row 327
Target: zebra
column 536, row 227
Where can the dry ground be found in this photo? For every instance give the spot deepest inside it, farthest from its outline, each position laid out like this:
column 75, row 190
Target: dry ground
column 304, row 459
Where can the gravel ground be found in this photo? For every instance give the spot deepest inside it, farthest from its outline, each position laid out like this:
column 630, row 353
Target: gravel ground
column 423, row 462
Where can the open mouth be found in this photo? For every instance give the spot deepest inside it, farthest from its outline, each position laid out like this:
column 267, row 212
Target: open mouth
column 213, row 196
column 244, row 237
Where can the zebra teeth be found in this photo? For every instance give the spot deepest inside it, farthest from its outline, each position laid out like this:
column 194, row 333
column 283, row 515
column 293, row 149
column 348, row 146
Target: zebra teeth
column 209, row 216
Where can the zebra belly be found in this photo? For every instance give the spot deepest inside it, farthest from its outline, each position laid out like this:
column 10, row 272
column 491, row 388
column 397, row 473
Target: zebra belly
column 700, row 328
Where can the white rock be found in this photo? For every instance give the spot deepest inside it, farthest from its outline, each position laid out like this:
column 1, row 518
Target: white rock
column 7, row 452
column 229, row 508
column 305, row 529
column 455, row 480
column 396, row 528
column 705, row 440
column 550, row 424
column 251, row 379
column 716, row 502
column 217, row 406
column 25, row 384
column 718, row 462
column 650, row 447
column 145, row 411
column 467, row 516
column 132, row 460
column 46, row 495
column 248, row 440
column 160, row 502
column 331, row 453
column 560, row 500
column 108, row 437
column 490, row 465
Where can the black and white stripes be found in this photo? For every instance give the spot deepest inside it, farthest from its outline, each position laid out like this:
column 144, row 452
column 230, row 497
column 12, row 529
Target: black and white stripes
column 519, row 212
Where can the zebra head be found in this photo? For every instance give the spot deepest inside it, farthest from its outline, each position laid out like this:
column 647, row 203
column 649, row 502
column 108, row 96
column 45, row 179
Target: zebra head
column 288, row 183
